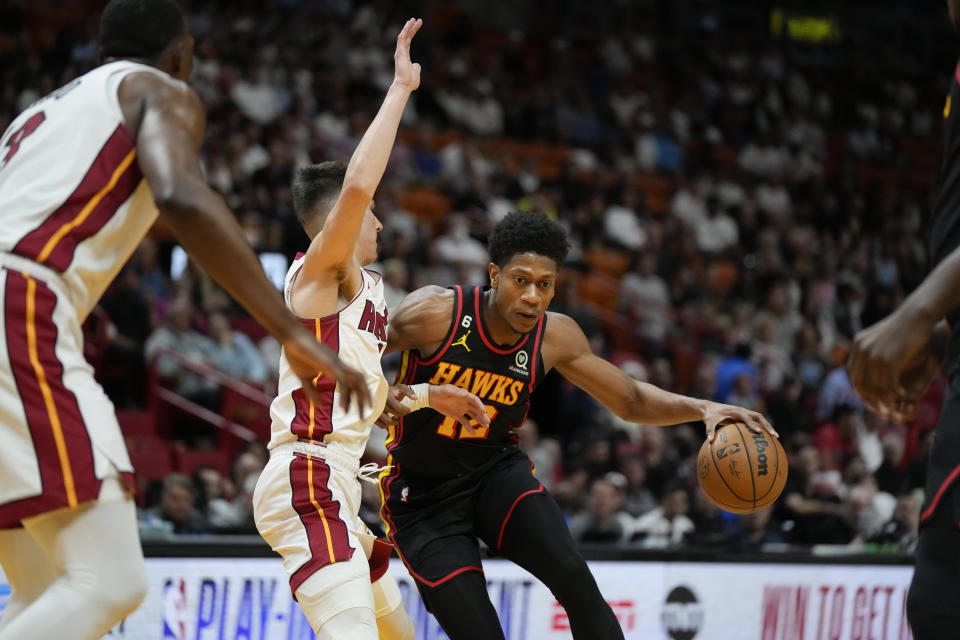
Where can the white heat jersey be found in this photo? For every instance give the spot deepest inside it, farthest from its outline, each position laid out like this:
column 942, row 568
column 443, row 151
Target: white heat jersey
column 71, row 194
column 358, row 334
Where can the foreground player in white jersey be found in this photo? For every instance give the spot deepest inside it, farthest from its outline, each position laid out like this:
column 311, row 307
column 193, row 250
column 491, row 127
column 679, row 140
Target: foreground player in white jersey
column 308, row 496
column 82, row 173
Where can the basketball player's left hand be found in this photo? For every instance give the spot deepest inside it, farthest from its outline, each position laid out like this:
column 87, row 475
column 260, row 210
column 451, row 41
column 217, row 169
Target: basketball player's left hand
column 406, row 73
column 717, row 414
column 309, row 358
column 394, row 408
column 461, row 405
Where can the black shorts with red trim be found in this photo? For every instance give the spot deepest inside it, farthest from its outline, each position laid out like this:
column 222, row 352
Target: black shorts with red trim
column 943, row 467
column 435, row 527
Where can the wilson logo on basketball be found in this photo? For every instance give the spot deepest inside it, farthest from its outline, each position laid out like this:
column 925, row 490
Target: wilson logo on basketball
column 761, row 444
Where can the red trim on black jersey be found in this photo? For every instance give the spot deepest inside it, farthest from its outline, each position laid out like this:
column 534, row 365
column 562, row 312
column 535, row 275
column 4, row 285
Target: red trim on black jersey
column 956, row 72
column 107, row 160
column 536, row 351
column 483, row 336
column 939, row 494
column 523, row 495
column 457, row 308
column 431, row 583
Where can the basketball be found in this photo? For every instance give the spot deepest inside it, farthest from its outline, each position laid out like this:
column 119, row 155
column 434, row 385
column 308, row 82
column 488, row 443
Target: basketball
column 742, row 471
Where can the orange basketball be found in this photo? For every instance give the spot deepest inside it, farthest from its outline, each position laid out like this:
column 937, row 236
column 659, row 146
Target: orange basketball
column 742, row 471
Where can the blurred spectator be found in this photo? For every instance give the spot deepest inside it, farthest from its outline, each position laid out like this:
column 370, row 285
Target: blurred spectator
column 176, row 512
column 212, row 494
column 786, row 410
column 177, row 335
column 238, row 519
column 743, row 393
column 757, row 530
column 544, row 453
column 890, row 476
column 644, row 297
column 900, row 531
column 733, row 366
column 712, row 525
column 661, row 462
column 836, row 440
column 639, row 499
column 234, row 353
column 124, row 370
column 605, row 521
column 668, row 524
column 394, row 282
column 811, row 509
column 870, row 508
column 835, row 392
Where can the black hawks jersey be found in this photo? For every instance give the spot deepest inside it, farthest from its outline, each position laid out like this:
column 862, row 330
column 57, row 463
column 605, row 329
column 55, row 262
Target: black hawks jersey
column 944, row 226
column 427, row 443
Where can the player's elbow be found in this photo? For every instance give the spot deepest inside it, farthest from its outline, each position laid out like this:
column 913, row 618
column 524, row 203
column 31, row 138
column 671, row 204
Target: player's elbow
column 357, row 189
column 178, row 194
column 173, row 200
column 631, row 406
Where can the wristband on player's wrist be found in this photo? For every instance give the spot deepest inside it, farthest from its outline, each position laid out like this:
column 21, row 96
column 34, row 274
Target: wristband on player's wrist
column 422, row 400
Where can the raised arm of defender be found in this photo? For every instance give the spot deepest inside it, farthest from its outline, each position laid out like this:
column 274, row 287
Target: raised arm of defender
column 167, row 120
column 566, row 348
column 331, row 252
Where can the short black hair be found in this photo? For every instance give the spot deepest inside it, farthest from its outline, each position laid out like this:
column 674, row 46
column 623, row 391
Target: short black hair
column 316, row 188
column 527, row 231
column 139, row 28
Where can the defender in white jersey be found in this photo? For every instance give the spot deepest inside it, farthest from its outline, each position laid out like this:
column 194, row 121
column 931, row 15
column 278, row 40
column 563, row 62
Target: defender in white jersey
column 308, row 496
column 82, row 175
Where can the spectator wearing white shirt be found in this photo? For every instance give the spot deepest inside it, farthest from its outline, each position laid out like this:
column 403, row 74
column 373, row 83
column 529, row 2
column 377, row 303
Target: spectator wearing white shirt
column 645, row 297
column 668, row 525
column 717, row 232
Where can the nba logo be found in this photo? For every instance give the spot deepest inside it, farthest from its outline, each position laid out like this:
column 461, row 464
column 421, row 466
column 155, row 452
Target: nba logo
column 404, row 494
column 175, row 609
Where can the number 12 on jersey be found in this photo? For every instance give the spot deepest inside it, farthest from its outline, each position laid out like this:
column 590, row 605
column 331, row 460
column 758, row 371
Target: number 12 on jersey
column 448, row 428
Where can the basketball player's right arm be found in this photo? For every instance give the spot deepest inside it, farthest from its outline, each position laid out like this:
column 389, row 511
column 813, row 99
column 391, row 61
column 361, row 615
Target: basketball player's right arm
column 566, row 347
column 168, row 120
column 333, row 249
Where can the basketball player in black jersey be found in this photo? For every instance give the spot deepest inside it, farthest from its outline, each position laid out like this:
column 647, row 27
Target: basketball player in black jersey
column 450, row 484
column 892, row 363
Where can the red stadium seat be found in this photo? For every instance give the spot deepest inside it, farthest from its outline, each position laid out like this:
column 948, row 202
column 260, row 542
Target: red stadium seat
column 189, row 459
column 136, row 424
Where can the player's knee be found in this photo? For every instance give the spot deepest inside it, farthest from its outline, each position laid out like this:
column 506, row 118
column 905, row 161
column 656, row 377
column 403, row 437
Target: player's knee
column 570, row 577
column 120, row 592
column 356, row 623
column 396, row 625
column 570, row 567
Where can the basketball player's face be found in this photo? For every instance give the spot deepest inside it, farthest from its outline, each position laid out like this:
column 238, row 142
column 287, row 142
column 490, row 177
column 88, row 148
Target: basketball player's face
column 524, row 288
column 366, row 251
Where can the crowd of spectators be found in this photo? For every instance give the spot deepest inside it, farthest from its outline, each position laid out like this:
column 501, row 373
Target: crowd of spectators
column 737, row 210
